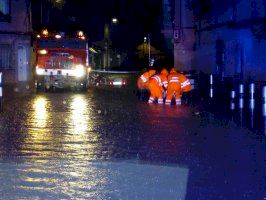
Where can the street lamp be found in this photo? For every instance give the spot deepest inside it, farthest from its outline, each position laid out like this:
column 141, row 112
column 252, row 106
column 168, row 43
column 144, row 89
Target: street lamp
column 114, row 20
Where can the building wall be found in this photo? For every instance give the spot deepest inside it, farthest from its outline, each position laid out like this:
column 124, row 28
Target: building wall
column 241, row 25
column 184, row 37
column 15, row 37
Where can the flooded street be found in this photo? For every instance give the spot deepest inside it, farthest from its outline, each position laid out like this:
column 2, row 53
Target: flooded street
column 107, row 144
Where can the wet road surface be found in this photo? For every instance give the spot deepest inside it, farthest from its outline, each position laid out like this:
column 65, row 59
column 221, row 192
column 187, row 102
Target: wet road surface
column 107, row 144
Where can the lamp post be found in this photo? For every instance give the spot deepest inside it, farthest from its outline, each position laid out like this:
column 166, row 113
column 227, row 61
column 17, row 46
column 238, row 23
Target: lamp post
column 147, row 41
column 149, row 48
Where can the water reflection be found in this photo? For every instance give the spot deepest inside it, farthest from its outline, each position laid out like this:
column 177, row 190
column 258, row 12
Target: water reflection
column 38, row 123
column 40, row 113
column 79, row 115
column 81, row 138
column 38, row 118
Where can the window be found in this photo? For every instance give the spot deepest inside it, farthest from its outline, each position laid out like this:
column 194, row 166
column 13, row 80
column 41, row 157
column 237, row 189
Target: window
column 5, row 55
column 5, row 11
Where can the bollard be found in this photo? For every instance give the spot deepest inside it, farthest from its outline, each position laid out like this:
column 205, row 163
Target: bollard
column 252, row 90
column 241, row 96
column 241, row 102
column 1, row 91
column 264, row 107
column 264, row 94
column 252, row 102
column 211, row 86
column 233, row 95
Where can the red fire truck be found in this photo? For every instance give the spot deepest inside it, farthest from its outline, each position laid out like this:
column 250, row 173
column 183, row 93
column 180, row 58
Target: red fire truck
column 61, row 61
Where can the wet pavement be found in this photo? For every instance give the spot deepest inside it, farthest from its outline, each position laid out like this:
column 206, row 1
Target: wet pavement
column 107, row 144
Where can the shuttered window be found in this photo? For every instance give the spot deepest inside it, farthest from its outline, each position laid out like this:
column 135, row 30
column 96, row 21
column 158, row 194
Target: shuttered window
column 5, row 56
column 5, row 15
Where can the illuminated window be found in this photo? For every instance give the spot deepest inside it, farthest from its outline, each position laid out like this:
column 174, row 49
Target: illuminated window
column 5, row 11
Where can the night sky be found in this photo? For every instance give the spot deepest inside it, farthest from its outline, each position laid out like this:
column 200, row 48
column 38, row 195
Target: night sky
column 136, row 19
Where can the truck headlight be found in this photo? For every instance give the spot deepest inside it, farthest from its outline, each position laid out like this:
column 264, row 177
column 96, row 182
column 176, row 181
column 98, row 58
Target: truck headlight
column 79, row 70
column 39, row 71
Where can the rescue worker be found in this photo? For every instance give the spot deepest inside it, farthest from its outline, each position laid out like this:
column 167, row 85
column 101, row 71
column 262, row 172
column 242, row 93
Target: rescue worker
column 157, row 85
column 142, row 82
column 177, row 84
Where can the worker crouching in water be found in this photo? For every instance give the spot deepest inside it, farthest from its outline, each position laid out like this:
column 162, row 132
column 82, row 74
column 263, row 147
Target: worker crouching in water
column 157, row 85
column 142, row 82
column 177, row 84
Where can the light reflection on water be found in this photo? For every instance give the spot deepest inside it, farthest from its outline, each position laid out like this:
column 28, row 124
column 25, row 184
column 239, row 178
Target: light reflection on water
column 79, row 115
column 80, row 136
column 64, row 127
column 40, row 113
column 57, row 179
column 38, row 123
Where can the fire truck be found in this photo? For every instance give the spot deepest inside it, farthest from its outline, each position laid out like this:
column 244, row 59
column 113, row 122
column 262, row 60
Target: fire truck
column 61, row 61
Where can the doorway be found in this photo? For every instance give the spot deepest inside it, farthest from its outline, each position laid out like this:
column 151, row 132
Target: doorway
column 22, row 63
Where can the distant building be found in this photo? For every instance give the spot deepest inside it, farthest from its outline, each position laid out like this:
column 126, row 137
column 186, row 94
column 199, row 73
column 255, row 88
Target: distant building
column 15, row 41
column 222, row 37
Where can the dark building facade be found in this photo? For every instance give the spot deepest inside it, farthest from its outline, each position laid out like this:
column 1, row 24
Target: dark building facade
column 15, row 42
column 221, row 37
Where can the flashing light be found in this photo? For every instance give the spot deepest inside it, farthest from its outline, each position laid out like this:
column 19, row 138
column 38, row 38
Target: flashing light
column 79, row 70
column 42, row 51
column 58, row 36
column 38, row 36
column 81, row 35
column 45, row 32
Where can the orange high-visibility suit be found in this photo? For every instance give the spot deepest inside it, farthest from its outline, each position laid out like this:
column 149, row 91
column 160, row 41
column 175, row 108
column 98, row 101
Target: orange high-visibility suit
column 155, row 85
column 143, row 79
column 177, row 84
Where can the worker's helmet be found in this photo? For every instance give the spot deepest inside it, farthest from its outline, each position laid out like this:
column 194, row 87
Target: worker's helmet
column 173, row 70
column 164, row 72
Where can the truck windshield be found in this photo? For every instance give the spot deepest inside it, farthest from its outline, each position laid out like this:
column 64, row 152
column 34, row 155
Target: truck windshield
column 64, row 43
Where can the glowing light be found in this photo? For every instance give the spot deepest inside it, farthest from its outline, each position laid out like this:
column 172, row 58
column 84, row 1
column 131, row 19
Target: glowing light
column 42, row 51
column 57, row 36
column 38, row 36
column 45, row 32
column 92, row 50
column 89, row 69
column 39, row 71
column 79, row 71
column 81, row 35
column 114, row 20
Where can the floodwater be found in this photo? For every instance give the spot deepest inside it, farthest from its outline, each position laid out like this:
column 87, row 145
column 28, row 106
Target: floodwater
column 107, row 144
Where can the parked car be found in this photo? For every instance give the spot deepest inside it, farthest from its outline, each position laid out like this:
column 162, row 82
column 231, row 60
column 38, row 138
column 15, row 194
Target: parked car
column 117, row 82
column 107, row 80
